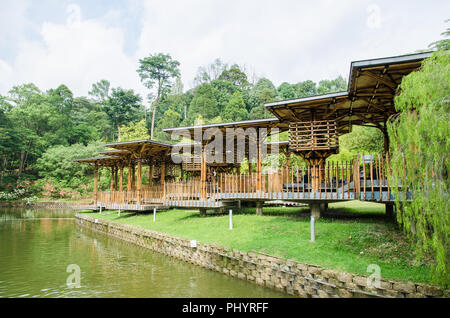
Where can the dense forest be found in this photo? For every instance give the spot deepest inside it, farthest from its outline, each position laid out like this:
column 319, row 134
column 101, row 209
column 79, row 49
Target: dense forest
column 41, row 132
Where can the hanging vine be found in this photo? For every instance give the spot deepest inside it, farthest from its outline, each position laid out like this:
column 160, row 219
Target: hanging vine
column 420, row 160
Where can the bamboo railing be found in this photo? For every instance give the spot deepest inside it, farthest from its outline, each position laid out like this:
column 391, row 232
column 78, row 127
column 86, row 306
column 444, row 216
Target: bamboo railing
column 364, row 178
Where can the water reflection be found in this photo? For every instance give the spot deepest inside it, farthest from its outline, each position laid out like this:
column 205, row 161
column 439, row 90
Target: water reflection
column 36, row 246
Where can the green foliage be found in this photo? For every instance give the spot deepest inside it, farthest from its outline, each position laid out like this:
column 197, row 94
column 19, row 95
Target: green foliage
column 171, row 118
column 236, row 76
column 286, row 91
column 305, row 89
column 336, row 85
column 57, row 162
column 100, row 90
column 135, row 131
column 206, row 74
column 420, row 153
column 203, row 103
column 235, row 109
column 363, row 139
column 122, row 107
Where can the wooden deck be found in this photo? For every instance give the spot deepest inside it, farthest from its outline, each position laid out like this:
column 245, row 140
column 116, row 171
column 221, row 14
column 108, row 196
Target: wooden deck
column 333, row 182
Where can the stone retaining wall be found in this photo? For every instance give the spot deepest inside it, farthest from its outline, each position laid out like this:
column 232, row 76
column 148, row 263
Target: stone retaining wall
column 288, row 276
column 49, row 205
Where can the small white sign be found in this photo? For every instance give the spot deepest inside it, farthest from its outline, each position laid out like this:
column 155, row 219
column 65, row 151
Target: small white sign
column 96, row 221
column 193, row 243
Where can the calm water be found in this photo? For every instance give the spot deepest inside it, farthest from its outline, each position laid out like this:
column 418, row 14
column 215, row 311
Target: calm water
column 36, row 247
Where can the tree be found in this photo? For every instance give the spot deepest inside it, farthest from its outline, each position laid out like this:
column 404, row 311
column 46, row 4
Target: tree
column 122, row 107
column 443, row 44
column 286, row 91
column 203, row 103
column 235, row 76
column 100, row 90
column 420, row 159
column 235, row 109
column 57, row 162
column 211, row 72
column 158, row 69
column 170, row 119
column 263, row 92
column 305, row 89
column 363, row 139
column 332, row 86
column 135, row 131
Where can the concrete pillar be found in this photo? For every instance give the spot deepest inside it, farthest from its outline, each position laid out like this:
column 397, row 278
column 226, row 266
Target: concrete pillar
column 315, row 210
column 239, row 204
column 389, row 210
column 259, row 207
column 202, row 212
column 323, row 207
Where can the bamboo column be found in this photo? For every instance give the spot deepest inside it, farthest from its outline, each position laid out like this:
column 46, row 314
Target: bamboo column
column 163, row 178
column 258, row 168
column 203, row 174
column 150, row 175
column 129, row 177
column 112, row 179
column 139, row 181
column 121, row 178
column 95, row 183
column 133, row 177
column 116, row 170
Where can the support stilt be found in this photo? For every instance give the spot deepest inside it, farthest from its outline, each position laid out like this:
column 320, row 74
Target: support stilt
column 259, row 207
column 315, row 210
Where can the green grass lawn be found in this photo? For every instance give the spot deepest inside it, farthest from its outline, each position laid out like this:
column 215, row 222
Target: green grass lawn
column 350, row 237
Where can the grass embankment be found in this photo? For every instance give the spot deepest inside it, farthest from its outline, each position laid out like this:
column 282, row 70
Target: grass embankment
column 350, row 237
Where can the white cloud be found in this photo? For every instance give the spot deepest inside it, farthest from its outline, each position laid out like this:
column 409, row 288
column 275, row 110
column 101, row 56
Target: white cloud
column 281, row 40
column 77, row 53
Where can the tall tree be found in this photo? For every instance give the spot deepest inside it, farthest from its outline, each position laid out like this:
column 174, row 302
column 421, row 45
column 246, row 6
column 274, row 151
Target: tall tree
column 122, row 107
column 100, row 90
column 158, row 69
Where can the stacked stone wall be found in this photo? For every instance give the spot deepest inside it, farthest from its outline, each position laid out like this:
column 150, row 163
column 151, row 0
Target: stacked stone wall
column 284, row 275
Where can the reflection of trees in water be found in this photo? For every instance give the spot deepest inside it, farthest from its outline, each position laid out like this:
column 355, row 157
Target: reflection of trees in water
column 37, row 253
column 138, row 272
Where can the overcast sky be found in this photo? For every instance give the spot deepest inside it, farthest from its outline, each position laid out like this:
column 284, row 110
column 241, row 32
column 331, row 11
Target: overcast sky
column 77, row 43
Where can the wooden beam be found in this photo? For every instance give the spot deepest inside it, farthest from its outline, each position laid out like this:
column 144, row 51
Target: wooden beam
column 381, row 79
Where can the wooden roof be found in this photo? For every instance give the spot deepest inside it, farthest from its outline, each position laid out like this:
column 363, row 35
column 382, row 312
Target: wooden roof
column 101, row 161
column 268, row 123
column 369, row 100
column 142, row 148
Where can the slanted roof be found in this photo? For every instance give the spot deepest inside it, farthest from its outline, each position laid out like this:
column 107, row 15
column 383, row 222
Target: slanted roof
column 102, row 161
column 369, row 99
column 268, row 123
column 142, row 148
